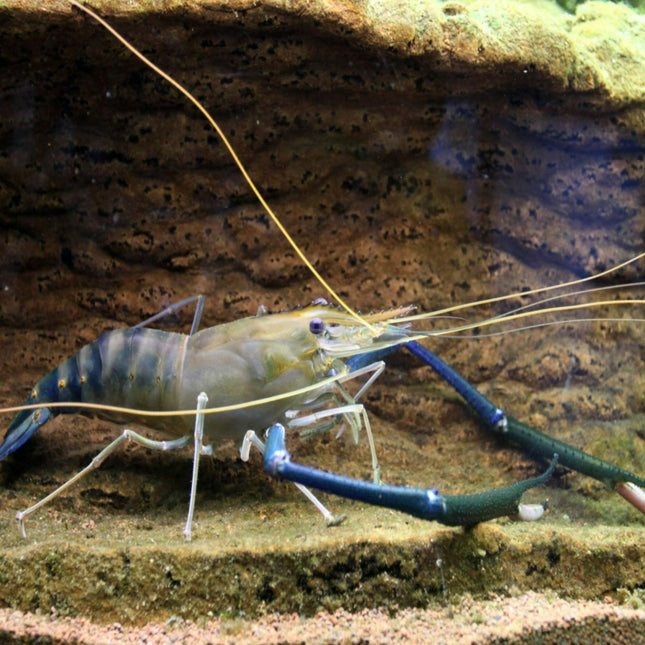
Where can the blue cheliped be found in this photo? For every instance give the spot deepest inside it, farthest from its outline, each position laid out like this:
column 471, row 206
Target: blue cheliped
column 425, row 503
column 533, row 442
column 452, row 510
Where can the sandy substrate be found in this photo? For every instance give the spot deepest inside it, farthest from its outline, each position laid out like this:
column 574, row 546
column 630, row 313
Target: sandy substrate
column 532, row 617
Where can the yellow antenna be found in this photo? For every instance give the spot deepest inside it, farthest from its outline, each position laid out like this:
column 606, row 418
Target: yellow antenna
column 174, row 413
column 523, row 294
column 233, row 154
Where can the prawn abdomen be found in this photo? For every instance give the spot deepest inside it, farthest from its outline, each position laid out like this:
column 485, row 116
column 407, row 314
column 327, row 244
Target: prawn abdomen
column 139, row 369
column 129, row 368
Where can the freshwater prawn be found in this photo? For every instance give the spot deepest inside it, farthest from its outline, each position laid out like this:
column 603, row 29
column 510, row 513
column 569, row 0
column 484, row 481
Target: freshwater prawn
column 277, row 371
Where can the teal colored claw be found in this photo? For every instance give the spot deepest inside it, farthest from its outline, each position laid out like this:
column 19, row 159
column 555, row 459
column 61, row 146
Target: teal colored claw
column 533, row 442
column 427, row 504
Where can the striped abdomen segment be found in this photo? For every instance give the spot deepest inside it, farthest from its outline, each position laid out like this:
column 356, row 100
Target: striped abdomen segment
column 133, row 368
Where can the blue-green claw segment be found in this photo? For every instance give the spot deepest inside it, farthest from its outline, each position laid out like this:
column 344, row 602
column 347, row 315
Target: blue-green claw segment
column 537, row 444
column 427, row 504
column 533, row 442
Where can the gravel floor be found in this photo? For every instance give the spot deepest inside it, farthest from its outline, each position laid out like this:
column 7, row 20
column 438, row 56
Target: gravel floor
column 532, row 617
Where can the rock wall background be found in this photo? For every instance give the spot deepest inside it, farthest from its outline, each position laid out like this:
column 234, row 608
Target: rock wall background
column 440, row 154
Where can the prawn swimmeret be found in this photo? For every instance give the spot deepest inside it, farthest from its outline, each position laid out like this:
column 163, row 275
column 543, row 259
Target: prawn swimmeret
column 283, row 372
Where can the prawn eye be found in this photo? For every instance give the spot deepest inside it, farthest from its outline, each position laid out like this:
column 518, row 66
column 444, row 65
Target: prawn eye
column 316, row 326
